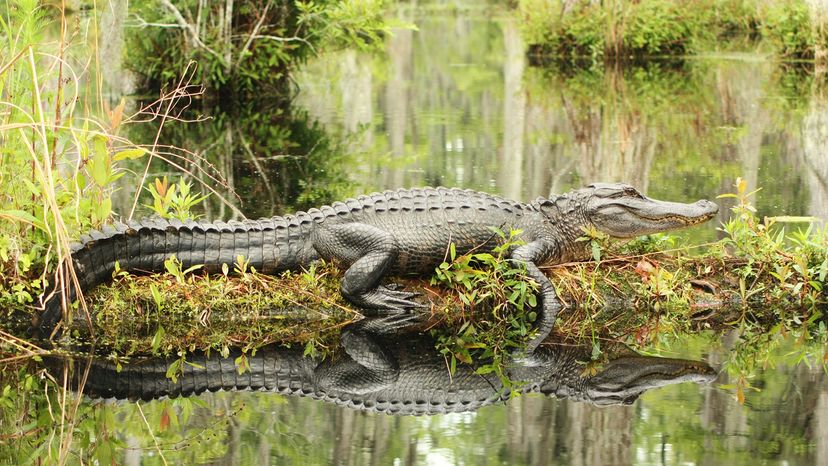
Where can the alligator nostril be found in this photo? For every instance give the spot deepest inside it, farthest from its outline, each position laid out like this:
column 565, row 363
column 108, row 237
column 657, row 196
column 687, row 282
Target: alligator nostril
column 709, row 205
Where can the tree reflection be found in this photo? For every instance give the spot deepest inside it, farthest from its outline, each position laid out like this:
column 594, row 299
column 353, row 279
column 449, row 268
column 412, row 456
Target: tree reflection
column 274, row 159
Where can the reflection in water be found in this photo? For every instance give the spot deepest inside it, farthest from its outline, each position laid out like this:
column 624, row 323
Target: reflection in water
column 814, row 159
column 384, row 370
column 679, row 424
column 276, row 160
column 672, row 425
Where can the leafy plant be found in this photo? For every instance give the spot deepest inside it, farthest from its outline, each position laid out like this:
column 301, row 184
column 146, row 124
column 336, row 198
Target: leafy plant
column 788, row 25
column 617, row 29
column 499, row 301
column 174, row 201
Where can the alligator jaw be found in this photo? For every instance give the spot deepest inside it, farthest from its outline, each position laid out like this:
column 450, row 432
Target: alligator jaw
column 622, row 212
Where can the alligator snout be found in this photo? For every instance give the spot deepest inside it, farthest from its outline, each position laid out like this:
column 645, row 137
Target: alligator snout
column 709, row 207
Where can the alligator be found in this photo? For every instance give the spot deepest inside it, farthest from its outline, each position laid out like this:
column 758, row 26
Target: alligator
column 403, row 232
column 386, row 371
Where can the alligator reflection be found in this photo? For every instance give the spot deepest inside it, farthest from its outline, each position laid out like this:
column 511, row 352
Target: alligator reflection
column 392, row 372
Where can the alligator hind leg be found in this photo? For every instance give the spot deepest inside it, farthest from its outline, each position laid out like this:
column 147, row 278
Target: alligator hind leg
column 370, row 253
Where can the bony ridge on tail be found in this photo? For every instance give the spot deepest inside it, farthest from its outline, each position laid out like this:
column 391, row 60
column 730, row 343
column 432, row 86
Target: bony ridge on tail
column 392, row 233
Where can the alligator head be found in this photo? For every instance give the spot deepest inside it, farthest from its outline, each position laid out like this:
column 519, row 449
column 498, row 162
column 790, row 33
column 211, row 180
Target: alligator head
column 620, row 211
column 623, row 379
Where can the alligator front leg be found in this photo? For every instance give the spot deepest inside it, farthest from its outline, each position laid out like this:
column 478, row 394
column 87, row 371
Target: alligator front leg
column 370, row 252
column 370, row 367
column 529, row 254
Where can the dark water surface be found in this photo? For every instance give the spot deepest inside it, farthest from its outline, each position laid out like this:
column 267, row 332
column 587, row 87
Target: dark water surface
column 455, row 103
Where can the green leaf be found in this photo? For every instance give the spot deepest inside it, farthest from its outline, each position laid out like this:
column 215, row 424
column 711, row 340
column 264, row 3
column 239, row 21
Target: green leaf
column 596, row 251
column 310, row 349
column 157, row 338
column 464, row 357
column 156, row 295
column 22, row 216
column 99, row 168
column 103, row 209
column 171, row 265
column 596, row 350
column 172, row 371
column 130, row 154
column 242, row 364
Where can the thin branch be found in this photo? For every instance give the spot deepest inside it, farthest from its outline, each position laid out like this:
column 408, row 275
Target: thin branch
column 183, row 83
column 149, row 429
column 140, row 22
column 285, row 39
column 179, row 18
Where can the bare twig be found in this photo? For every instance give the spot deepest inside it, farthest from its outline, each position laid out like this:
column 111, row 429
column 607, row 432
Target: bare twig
column 286, row 39
column 149, row 429
column 183, row 83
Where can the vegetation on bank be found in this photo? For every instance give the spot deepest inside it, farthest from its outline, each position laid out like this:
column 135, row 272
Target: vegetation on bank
column 58, row 168
column 64, row 160
column 618, row 29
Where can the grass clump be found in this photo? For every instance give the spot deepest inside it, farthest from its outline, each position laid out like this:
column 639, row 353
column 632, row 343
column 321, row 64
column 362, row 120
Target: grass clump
column 613, row 30
column 790, row 27
column 58, row 168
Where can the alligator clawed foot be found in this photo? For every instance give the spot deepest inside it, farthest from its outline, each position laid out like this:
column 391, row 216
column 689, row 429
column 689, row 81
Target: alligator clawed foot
column 387, row 300
column 388, row 324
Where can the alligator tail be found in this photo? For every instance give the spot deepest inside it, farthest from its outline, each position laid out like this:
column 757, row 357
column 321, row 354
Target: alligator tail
column 270, row 369
column 269, row 245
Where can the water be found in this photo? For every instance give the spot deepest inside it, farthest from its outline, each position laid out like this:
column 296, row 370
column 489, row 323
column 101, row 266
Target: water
column 781, row 422
column 455, row 103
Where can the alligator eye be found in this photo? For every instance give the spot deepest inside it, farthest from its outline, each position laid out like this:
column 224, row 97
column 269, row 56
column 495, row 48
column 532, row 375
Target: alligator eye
column 632, row 192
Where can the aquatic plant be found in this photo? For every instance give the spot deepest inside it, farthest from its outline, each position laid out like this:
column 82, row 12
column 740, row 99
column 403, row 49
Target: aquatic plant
column 789, row 25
